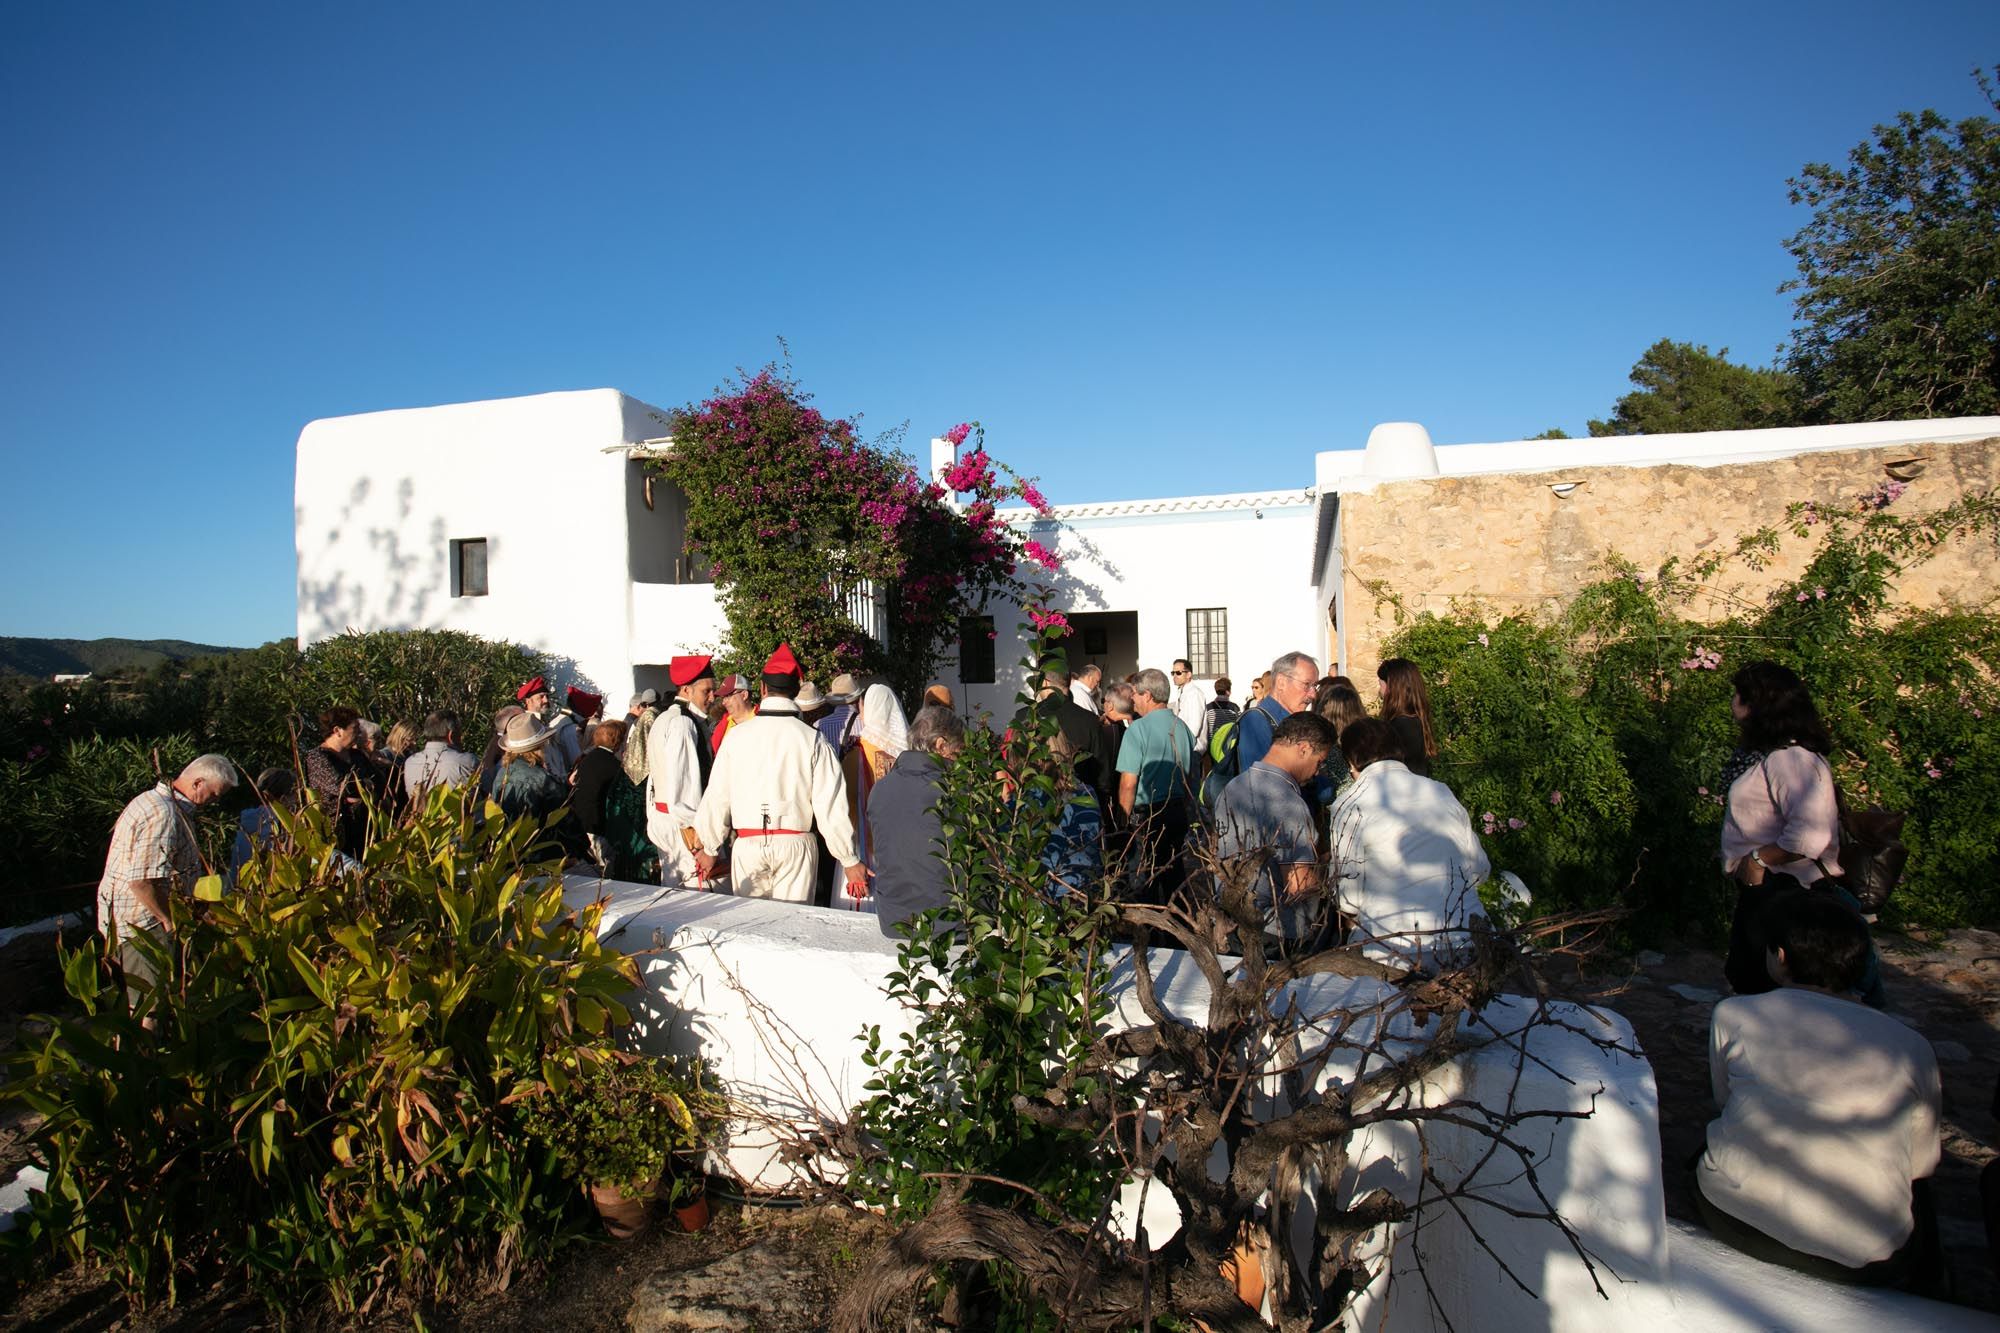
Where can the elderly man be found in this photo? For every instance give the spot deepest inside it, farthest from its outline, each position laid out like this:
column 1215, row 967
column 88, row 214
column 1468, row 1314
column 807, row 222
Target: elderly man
column 775, row 782
column 154, row 852
column 678, row 761
column 1294, row 677
column 440, row 763
column 1264, row 816
column 1154, row 760
column 1083, row 686
column 733, row 693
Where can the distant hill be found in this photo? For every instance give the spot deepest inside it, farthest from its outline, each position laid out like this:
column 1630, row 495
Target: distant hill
column 43, row 658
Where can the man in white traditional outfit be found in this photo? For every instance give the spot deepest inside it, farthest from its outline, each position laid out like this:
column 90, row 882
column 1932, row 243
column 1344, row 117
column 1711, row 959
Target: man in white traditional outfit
column 677, row 772
column 775, row 779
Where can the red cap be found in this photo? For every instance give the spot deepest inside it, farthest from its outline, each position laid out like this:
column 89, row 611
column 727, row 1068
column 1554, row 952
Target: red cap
column 583, row 703
column 782, row 663
column 532, row 688
column 685, row 671
column 729, row 685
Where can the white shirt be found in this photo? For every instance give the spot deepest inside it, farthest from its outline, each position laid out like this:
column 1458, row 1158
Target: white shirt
column 777, row 772
column 1190, row 705
column 1829, row 1111
column 1081, row 693
column 673, row 776
column 1406, row 861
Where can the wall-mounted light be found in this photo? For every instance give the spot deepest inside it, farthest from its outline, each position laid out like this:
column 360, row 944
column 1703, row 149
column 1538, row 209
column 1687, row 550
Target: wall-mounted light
column 1563, row 488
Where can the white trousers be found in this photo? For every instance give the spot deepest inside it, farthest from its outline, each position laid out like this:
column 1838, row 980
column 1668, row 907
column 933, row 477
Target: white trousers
column 677, row 869
column 781, row 866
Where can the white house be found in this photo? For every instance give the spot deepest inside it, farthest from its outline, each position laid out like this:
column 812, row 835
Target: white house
column 535, row 520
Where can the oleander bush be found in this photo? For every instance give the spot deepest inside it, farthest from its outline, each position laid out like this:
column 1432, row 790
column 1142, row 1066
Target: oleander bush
column 327, row 1105
column 1588, row 744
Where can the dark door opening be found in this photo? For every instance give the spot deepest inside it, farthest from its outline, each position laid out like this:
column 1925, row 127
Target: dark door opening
column 1108, row 639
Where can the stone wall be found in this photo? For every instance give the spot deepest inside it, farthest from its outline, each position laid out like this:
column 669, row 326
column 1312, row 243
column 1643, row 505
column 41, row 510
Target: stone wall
column 1511, row 543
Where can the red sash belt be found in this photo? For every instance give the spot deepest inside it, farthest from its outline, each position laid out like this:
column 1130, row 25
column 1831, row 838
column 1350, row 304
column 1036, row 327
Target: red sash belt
column 768, row 832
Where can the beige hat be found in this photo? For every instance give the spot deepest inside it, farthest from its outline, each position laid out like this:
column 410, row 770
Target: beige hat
column 524, row 733
column 810, row 697
column 844, row 690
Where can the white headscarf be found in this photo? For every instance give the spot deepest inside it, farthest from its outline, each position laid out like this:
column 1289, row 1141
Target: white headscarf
column 882, row 723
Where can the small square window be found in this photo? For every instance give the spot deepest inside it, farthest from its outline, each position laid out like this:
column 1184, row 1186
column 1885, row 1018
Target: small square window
column 975, row 650
column 468, row 567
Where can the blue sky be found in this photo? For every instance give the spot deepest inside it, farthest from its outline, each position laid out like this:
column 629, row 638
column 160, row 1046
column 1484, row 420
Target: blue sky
column 1157, row 249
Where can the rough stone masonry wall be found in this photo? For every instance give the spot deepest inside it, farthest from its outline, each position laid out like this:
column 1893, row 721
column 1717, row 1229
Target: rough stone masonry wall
column 1511, row 543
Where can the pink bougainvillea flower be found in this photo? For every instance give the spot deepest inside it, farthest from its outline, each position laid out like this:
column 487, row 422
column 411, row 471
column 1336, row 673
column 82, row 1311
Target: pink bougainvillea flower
column 1041, row 554
column 1801, row 597
column 1820, row 593
column 956, row 435
column 1034, row 498
column 1934, row 772
column 1555, row 798
column 1516, row 822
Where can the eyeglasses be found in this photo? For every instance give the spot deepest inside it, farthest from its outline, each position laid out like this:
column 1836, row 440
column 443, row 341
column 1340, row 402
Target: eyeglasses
column 1178, row 672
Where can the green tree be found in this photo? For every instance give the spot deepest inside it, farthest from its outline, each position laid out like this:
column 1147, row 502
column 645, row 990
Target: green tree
column 1898, row 293
column 1552, row 433
column 1686, row 387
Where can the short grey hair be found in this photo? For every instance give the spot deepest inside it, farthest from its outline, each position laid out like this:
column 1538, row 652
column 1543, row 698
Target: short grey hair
column 1118, row 695
column 1153, row 681
column 935, row 722
column 1288, row 665
column 216, row 770
column 1090, row 671
column 371, row 732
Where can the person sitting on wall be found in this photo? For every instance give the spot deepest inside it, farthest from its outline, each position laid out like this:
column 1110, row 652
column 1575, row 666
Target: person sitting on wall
column 1405, row 857
column 1822, row 1155
column 1264, row 815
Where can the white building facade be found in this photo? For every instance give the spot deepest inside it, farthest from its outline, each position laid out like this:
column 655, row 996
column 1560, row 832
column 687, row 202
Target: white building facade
column 536, row 520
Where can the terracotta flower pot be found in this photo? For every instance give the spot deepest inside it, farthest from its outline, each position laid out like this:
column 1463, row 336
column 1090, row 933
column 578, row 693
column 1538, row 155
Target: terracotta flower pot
column 693, row 1215
column 624, row 1216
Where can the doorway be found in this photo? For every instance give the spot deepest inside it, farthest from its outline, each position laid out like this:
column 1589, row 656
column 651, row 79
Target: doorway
column 1107, row 639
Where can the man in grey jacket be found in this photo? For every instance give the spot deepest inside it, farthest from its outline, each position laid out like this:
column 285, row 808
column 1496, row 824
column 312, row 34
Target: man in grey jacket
column 904, row 826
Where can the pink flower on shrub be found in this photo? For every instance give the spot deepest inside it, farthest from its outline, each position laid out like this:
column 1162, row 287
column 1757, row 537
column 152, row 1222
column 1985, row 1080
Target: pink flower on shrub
column 971, row 473
column 1820, row 593
column 1701, row 791
column 1484, row 641
column 1041, row 554
column 956, row 435
column 1555, row 798
column 1035, row 499
column 36, row 752
column 1800, row 598
column 1934, row 772
column 1048, row 620
column 1515, row 822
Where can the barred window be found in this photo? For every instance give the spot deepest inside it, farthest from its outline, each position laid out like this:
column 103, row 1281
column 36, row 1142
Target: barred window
column 975, row 650
column 468, row 567
column 1208, row 640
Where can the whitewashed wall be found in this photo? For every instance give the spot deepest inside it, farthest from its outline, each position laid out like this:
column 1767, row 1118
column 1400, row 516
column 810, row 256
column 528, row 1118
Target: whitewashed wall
column 1252, row 558
column 380, row 497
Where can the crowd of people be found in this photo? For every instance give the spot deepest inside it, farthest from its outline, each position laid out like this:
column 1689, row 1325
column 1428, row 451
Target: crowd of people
column 1325, row 810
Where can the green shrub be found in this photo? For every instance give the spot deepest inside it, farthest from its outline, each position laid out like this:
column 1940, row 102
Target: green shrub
column 325, row 1105
column 1621, row 702
column 621, row 1122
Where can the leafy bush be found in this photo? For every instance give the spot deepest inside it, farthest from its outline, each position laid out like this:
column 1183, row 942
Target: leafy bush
column 1620, row 704
column 325, row 1104
column 1001, row 1020
column 621, row 1121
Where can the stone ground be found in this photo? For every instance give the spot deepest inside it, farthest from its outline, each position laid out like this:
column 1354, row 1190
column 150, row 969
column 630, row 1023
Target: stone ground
column 1945, row 986
column 773, row 1269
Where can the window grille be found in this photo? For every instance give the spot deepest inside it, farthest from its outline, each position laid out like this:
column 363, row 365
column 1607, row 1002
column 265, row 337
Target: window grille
column 1208, row 640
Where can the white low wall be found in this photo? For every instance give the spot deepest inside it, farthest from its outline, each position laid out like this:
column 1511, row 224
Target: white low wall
column 776, row 997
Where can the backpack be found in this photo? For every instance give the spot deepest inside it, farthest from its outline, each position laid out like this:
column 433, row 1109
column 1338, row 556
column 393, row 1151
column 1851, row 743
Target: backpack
column 1227, row 762
column 1872, row 854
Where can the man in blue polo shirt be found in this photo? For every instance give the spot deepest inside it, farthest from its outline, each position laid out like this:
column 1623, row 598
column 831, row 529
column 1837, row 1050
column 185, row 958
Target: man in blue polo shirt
column 1154, row 760
column 1293, row 679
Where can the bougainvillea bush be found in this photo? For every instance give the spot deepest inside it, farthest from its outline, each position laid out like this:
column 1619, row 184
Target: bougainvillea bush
column 1588, row 745
column 799, row 517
